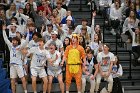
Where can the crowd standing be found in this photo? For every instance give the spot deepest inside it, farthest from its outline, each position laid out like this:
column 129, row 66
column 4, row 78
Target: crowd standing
column 42, row 38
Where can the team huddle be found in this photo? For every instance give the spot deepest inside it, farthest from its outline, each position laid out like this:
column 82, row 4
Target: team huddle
column 81, row 64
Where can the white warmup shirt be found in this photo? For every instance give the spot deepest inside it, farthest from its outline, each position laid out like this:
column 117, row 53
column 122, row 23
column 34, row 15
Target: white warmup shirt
column 15, row 52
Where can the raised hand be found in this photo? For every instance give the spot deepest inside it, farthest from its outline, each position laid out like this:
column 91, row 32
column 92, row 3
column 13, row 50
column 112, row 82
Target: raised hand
column 4, row 27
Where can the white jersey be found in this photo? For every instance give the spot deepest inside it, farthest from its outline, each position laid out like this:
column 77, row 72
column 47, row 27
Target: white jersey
column 32, row 43
column 105, row 60
column 15, row 52
column 56, row 65
column 59, row 44
column 39, row 57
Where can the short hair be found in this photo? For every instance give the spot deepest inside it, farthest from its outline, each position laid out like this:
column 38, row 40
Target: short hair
column 37, row 34
column 17, row 39
column 90, row 51
column 40, row 39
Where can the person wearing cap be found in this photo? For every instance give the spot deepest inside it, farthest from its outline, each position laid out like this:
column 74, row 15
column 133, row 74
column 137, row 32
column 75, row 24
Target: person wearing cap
column 54, row 38
column 105, row 60
column 46, row 33
column 62, row 11
column 16, row 64
column 63, row 21
column 83, row 25
column 39, row 57
column 54, row 68
column 69, row 23
column 73, row 56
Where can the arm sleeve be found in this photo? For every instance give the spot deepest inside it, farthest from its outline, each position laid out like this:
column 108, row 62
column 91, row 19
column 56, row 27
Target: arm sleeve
column 120, row 71
column 95, row 60
column 82, row 51
column 26, row 42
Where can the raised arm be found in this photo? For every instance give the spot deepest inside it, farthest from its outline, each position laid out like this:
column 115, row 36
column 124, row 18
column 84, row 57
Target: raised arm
column 26, row 41
column 5, row 37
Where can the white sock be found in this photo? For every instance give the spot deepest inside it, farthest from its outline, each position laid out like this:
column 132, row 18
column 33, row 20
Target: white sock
column 35, row 92
column 44, row 92
column 67, row 91
column 79, row 92
column 25, row 91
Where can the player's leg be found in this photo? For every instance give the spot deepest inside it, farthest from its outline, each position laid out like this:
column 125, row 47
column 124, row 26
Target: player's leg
column 61, row 83
column 50, row 83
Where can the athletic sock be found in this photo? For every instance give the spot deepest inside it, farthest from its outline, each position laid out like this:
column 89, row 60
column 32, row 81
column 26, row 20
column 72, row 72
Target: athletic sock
column 25, row 91
column 67, row 91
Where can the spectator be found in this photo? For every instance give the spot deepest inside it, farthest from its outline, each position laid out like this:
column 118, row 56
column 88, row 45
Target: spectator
column 47, row 33
column 58, row 42
column 115, row 16
column 82, row 41
column 116, row 73
column 90, row 71
column 133, row 22
column 27, row 10
column 63, row 21
column 54, row 69
column 62, row 11
column 45, row 7
column 11, row 12
column 39, row 18
column 84, row 24
column 4, row 4
column 66, row 42
column 85, row 34
column 65, row 4
column 2, row 15
column 135, row 41
column 126, row 7
column 55, row 13
column 95, row 44
column 13, row 28
column 22, row 19
column 138, row 7
column 33, row 42
column 132, row 7
column 99, row 33
column 73, row 56
column 19, row 3
column 105, row 60
column 32, row 2
column 65, row 27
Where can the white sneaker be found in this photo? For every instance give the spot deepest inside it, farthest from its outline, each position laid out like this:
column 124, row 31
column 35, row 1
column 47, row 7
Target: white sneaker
column 113, row 32
column 139, row 59
column 89, row 3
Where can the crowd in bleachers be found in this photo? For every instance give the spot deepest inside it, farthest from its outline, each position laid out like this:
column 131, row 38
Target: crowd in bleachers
column 37, row 33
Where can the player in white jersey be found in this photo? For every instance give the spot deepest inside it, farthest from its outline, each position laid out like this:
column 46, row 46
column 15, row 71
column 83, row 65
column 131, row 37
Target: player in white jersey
column 40, row 55
column 16, row 68
column 54, row 69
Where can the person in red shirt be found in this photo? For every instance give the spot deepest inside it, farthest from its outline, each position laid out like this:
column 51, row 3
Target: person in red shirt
column 45, row 7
